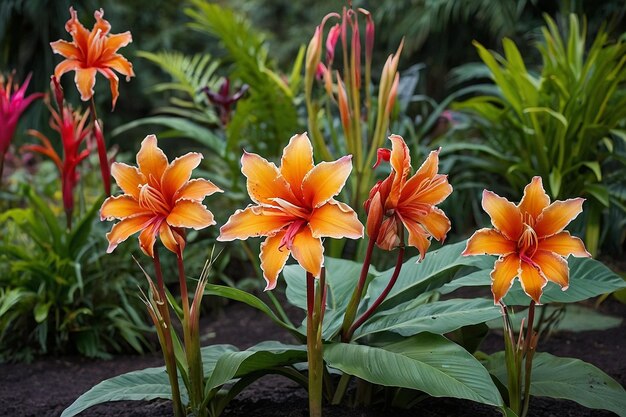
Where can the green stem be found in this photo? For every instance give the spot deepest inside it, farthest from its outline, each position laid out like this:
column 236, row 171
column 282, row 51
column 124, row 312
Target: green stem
column 529, row 350
column 353, row 305
column 315, row 315
column 383, row 295
column 342, row 386
column 510, row 359
column 166, row 343
column 191, row 335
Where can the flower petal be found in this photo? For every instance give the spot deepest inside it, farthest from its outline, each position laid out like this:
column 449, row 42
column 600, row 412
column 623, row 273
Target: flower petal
column 152, row 161
column 400, row 160
column 535, row 198
column 296, row 162
column 114, row 83
column 553, row 267
column 563, row 244
column 178, row 173
column 85, row 79
column 66, row 49
column 123, row 229
column 171, row 239
column 273, row 259
column 557, row 215
column 128, row 178
column 418, row 237
column 435, row 222
column 121, row 65
column 422, row 177
column 504, row 272
column 308, row 251
column 264, row 180
column 147, row 237
column 252, row 222
column 117, row 41
column 374, row 215
column 532, row 281
column 120, row 207
column 196, row 190
column 489, row 242
column 336, row 220
column 388, row 237
column 505, row 216
column 325, row 181
column 189, row 213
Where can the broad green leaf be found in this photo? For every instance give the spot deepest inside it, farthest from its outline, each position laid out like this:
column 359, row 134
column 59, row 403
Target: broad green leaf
column 426, row 362
column 41, row 311
column 146, row 384
column 438, row 267
column 264, row 356
column 588, row 278
column 570, row 379
column 252, row 301
column 572, row 318
column 211, row 354
column 439, row 317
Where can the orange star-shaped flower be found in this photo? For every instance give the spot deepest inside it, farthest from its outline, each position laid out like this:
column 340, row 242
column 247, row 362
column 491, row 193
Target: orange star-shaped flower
column 529, row 239
column 158, row 199
column 295, row 208
column 399, row 200
column 91, row 52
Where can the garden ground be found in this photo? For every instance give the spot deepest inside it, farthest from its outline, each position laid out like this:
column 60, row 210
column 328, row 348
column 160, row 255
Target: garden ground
column 47, row 386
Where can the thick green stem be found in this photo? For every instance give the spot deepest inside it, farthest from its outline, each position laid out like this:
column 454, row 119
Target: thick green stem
column 166, row 343
column 383, row 295
column 357, row 294
column 510, row 358
column 191, row 335
column 316, row 300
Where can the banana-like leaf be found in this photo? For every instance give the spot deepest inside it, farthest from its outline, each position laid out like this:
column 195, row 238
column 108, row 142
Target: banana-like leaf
column 570, row 379
column 426, row 362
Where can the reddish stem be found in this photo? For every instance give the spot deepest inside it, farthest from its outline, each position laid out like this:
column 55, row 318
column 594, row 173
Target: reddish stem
column 382, row 296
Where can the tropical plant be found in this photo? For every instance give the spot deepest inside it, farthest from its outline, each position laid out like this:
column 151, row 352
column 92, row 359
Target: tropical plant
column 57, row 297
column 561, row 123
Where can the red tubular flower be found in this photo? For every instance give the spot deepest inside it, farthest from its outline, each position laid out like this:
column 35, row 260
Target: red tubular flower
column 71, row 126
column 399, row 201
column 91, row 52
column 12, row 104
column 331, row 42
column 529, row 239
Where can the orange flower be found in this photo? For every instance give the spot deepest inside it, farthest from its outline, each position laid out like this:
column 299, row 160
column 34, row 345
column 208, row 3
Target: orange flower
column 91, row 52
column 399, row 200
column 294, row 208
column 158, row 199
column 529, row 239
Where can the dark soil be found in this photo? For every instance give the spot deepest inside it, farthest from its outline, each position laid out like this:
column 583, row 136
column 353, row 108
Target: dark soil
column 46, row 387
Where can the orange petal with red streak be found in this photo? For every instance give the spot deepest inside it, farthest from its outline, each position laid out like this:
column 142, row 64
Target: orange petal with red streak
column 85, row 80
column 418, row 237
column 436, row 223
column 489, row 242
column 273, row 259
column 66, row 49
column 171, row 239
column 505, row 216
